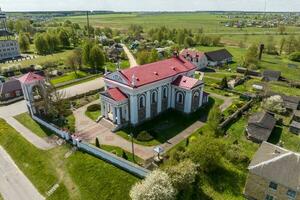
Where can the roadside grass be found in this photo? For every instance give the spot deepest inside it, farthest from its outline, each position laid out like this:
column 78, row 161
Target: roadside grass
column 35, row 163
column 79, row 82
column 97, row 179
column 68, row 77
column 29, row 123
column 1, row 198
column 93, row 115
column 79, row 176
column 167, row 125
column 119, row 152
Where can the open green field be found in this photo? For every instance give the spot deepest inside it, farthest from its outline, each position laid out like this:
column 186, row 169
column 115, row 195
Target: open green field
column 80, row 176
column 68, row 77
column 211, row 22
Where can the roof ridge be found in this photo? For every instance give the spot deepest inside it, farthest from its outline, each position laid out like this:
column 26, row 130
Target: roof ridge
column 272, row 160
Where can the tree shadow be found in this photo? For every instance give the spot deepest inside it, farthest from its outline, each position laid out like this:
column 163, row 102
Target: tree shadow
column 223, row 179
column 275, row 135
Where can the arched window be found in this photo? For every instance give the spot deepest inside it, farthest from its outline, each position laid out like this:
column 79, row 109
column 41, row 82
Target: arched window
column 153, row 97
column 196, row 95
column 180, row 98
column 142, row 102
column 165, row 93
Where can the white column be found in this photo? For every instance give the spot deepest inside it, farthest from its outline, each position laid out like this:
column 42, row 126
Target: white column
column 127, row 113
column 114, row 114
column 188, row 102
column 148, row 105
column 102, row 108
column 173, row 97
column 159, row 100
column 106, row 110
column 169, row 95
column 118, row 116
column 133, row 109
column 201, row 96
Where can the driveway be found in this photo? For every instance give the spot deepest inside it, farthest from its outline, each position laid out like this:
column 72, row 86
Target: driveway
column 227, row 101
column 130, row 57
column 14, row 185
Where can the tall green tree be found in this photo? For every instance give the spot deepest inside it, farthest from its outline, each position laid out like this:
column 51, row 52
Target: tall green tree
column 64, row 38
column 41, row 44
column 97, row 58
column 86, row 52
column 251, row 56
column 24, row 42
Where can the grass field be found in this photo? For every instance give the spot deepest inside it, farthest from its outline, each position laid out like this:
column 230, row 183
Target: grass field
column 79, row 176
column 40, row 60
column 93, row 115
column 211, row 22
column 68, row 77
column 29, row 123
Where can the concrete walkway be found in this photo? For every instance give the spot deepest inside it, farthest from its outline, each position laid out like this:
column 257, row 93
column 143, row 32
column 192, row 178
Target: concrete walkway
column 14, row 185
column 29, row 135
column 130, row 57
column 227, row 101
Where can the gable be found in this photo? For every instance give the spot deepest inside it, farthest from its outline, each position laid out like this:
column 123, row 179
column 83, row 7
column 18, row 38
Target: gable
column 117, row 76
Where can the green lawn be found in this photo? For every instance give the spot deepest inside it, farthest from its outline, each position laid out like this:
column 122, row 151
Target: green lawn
column 79, row 82
column 93, row 115
column 41, row 60
column 68, row 77
column 167, row 125
column 79, row 176
column 119, row 152
column 29, row 123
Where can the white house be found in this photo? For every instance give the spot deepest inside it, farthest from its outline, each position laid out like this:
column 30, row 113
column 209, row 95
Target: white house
column 142, row 92
column 199, row 59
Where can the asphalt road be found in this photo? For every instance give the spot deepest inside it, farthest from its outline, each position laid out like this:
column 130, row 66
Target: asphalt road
column 14, row 185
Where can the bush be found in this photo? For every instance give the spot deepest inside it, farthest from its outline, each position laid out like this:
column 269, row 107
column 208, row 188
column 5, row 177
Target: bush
column 295, row 56
column 144, row 136
column 93, row 108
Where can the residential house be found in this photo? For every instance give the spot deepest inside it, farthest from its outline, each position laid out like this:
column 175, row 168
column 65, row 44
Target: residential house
column 140, row 93
column 295, row 124
column 274, row 174
column 218, row 57
column 260, row 126
column 10, row 90
column 197, row 58
column 271, row 75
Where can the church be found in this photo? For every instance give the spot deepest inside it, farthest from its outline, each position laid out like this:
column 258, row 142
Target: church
column 137, row 94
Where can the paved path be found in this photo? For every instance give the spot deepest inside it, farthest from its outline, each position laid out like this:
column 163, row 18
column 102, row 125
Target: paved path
column 29, row 135
column 131, row 58
column 227, row 101
column 82, row 88
column 14, row 185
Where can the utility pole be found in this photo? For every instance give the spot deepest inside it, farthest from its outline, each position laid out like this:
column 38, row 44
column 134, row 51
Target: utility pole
column 88, row 23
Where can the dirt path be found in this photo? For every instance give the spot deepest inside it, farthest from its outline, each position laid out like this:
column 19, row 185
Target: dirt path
column 131, row 58
column 14, row 185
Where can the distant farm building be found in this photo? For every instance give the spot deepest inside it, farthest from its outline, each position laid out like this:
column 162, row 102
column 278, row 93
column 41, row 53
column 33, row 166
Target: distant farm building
column 218, row 57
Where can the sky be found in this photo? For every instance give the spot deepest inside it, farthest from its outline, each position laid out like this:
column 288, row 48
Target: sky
column 151, row 5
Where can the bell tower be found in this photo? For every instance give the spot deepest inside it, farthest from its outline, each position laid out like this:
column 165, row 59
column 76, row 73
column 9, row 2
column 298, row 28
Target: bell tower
column 33, row 86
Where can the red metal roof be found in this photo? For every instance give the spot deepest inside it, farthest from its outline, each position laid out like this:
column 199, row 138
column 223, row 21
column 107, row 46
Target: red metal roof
column 149, row 73
column 192, row 53
column 30, row 77
column 116, row 94
column 186, row 82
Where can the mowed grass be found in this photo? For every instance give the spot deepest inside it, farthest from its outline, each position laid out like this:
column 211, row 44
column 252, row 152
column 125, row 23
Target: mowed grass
column 29, row 123
column 79, row 176
column 93, row 115
column 68, row 77
column 41, row 60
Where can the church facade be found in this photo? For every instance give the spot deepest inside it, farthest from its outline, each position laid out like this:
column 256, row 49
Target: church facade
column 140, row 93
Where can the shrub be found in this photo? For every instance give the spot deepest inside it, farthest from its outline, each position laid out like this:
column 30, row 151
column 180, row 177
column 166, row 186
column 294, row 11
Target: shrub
column 93, row 108
column 295, row 56
column 144, row 136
